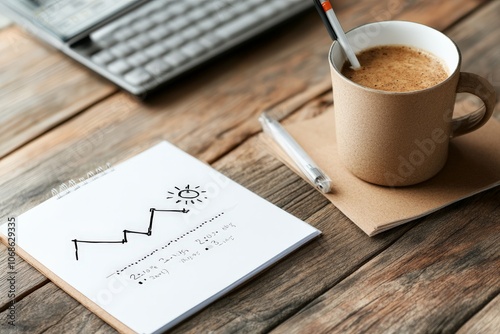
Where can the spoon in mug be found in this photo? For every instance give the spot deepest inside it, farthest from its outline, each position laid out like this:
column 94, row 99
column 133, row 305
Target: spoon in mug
column 335, row 30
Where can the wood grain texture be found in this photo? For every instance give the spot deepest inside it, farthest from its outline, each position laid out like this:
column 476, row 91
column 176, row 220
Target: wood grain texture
column 205, row 117
column 48, row 308
column 440, row 272
column 478, row 42
column 21, row 280
column 485, row 321
column 39, row 89
column 277, row 293
column 212, row 115
column 400, row 300
column 40, row 96
column 435, row 13
column 268, row 299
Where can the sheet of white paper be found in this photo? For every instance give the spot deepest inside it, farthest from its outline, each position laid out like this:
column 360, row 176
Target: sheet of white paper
column 149, row 268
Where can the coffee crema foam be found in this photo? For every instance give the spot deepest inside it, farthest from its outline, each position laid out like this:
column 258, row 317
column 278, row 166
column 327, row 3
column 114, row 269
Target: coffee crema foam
column 396, row 68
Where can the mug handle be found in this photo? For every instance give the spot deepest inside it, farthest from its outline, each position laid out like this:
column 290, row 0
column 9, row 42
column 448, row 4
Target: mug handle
column 476, row 85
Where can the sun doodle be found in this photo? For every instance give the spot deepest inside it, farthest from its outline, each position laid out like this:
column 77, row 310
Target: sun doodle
column 188, row 195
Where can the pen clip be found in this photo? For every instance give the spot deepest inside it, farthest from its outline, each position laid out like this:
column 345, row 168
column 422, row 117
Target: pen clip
column 321, row 12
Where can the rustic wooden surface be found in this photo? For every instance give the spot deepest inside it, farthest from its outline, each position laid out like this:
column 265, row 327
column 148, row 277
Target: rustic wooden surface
column 57, row 89
column 437, row 274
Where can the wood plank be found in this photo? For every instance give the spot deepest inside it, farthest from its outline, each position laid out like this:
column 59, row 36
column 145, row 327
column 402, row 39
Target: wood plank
column 48, row 307
column 480, row 52
column 19, row 279
column 439, row 273
column 40, row 88
column 485, row 321
column 434, row 13
column 220, row 115
column 279, row 292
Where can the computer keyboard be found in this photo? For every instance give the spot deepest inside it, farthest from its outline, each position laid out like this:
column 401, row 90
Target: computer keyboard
column 165, row 38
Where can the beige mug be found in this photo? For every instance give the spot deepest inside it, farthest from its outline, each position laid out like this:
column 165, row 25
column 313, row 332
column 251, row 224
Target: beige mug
column 401, row 138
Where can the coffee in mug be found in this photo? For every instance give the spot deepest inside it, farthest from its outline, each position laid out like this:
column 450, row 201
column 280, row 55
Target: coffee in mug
column 397, row 68
column 397, row 133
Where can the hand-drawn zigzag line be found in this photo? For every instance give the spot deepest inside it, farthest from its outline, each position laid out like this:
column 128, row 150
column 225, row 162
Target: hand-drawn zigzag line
column 148, row 233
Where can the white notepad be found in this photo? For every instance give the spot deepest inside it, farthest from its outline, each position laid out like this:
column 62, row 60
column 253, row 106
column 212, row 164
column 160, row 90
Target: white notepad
column 153, row 240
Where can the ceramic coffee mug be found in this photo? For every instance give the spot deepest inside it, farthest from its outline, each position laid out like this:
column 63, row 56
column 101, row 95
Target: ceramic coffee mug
column 401, row 138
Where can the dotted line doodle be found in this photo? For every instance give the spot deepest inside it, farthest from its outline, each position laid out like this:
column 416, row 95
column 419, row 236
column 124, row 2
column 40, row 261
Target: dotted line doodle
column 170, row 242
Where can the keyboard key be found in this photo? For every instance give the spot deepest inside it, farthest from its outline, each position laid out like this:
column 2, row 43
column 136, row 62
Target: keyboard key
column 102, row 34
column 123, row 34
column 158, row 67
column 210, row 40
column 104, row 41
column 242, row 7
column 142, row 25
column 251, row 4
column 256, row 2
column 161, row 16
column 265, row 12
column 178, row 23
column 190, row 32
column 175, row 58
column 121, row 50
column 158, row 6
column 212, row 6
column 159, row 32
column 155, row 50
column 138, row 58
column 223, row 16
column 233, row 11
column 119, row 66
column 138, row 76
column 207, row 24
column 102, row 57
column 173, row 41
column 192, row 49
column 196, row 14
column 144, row 10
column 279, row 5
column 180, row 7
column 140, row 41
column 235, row 27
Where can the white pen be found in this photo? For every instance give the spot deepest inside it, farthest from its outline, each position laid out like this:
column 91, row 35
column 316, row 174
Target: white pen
column 274, row 129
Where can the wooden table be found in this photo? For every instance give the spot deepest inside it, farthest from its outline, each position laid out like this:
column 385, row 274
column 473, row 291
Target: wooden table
column 440, row 273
